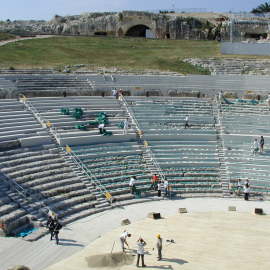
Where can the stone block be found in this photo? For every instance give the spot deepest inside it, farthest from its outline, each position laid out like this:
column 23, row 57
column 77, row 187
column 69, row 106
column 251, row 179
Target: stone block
column 258, row 211
column 125, row 222
column 154, row 215
column 32, row 141
column 183, row 210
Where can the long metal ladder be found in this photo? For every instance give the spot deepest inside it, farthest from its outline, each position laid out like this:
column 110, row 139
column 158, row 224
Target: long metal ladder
column 46, row 124
column 224, row 172
column 87, row 172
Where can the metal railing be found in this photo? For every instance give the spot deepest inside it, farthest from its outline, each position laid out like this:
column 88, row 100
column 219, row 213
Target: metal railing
column 44, row 123
column 87, row 172
column 217, row 107
column 27, row 195
column 131, row 115
column 34, row 111
column 155, row 163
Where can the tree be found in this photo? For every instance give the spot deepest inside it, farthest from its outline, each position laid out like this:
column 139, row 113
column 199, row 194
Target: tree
column 263, row 8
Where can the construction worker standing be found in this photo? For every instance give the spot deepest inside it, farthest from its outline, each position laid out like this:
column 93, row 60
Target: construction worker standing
column 50, row 226
column 154, row 182
column 140, row 251
column 57, row 228
column 159, row 247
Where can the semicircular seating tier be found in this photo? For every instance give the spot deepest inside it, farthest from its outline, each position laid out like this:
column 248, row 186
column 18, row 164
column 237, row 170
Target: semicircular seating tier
column 243, row 122
column 77, row 131
column 188, row 156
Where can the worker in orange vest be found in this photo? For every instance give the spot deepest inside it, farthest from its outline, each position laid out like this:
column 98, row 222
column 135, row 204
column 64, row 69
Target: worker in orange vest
column 154, row 182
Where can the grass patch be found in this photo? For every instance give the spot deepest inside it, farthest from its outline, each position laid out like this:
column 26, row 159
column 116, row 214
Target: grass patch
column 123, row 53
column 6, row 36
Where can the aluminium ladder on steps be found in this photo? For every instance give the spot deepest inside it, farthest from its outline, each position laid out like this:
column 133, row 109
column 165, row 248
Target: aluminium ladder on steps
column 224, row 173
column 87, row 172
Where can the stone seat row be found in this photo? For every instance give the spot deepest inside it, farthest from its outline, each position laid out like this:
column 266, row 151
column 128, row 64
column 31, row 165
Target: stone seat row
column 190, row 152
column 141, row 176
column 33, row 167
column 109, row 169
column 52, row 110
column 92, row 163
column 197, row 190
column 23, row 84
column 18, row 124
column 7, row 207
column 153, row 113
column 49, row 181
column 24, row 160
column 197, row 185
column 95, row 150
column 70, row 202
column 28, row 152
column 118, row 157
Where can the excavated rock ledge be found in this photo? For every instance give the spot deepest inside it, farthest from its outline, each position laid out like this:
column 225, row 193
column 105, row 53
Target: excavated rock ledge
column 234, row 66
column 163, row 26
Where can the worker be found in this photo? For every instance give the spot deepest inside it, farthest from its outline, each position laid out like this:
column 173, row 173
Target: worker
column 154, row 181
column 159, row 247
column 255, row 147
column 57, row 228
column 166, row 185
column 132, row 184
column 159, row 187
column 186, row 122
column 140, row 251
column 123, row 240
column 101, row 128
column 246, row 191
column 50, row 226
column 125, row 131
column 114, row 91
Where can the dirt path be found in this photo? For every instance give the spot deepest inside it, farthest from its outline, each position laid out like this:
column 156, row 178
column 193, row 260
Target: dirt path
column 2, row 43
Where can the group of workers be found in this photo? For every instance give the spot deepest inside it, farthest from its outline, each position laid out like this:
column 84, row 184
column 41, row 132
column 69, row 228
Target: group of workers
column 156, row 185
column 257, row 146
column 54, row 227
column 140, row 250
column 241, row 187
column 118, row 94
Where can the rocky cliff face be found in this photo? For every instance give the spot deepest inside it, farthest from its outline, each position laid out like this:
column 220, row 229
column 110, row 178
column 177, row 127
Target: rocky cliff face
column 171, row 26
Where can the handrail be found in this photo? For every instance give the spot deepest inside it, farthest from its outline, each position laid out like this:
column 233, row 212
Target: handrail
column 160, row 172
column 132, row 115
column 217, row 103
column 21, row 190
column 102, row 189
column 39, row 117
column 31, row 108
column 141, row 134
